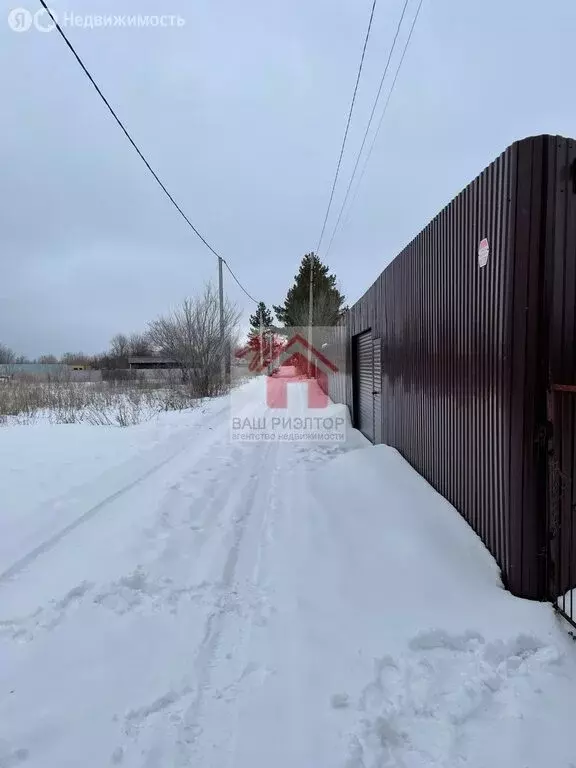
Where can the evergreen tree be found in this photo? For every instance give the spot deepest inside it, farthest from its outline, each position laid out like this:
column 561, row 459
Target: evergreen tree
column 327, row 299
column 262, row 340
column 262, row 317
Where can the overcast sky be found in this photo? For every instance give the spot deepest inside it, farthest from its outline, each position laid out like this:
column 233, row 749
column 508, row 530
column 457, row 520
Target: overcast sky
column 242, row 111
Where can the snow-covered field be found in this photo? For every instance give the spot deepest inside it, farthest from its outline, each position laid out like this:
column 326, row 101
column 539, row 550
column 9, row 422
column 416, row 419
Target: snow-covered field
column 170, row 598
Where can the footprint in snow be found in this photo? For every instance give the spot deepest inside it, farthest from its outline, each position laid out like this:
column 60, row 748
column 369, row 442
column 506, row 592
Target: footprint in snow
column 44, row 619
column 137, row 590
column 420, row 702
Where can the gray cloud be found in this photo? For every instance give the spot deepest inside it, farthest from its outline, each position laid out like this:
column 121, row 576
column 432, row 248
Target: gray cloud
column 241, row 111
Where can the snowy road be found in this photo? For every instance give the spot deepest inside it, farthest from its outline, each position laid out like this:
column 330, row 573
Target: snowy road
column 184, row 600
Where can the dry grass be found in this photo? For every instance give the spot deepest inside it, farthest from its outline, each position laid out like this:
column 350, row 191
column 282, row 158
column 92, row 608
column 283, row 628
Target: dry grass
column 120, row 404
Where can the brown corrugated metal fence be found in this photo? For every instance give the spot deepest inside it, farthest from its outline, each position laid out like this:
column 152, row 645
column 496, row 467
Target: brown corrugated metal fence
column 464, row 350
column 561, row 301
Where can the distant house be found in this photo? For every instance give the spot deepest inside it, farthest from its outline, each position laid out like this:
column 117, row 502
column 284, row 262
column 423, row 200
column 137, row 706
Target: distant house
column 150, row 362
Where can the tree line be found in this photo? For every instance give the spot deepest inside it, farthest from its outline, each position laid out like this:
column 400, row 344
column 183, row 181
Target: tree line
column 266, row 338
column 328, row 302
column 130, row 345
column 190, row 334
column 121, row 346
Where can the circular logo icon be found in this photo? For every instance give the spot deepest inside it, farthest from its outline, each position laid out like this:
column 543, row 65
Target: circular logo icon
column 43, row 21
column 20, row 20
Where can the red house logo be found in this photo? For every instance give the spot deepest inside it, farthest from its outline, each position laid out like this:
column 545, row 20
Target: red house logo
column 297, row 361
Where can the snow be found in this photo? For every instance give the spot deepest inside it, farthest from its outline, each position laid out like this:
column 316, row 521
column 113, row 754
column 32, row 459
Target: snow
column 567, row 603
column 51, row 474
column 170, row 598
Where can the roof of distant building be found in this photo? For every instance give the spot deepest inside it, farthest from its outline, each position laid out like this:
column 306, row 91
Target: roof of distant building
column 149, row 360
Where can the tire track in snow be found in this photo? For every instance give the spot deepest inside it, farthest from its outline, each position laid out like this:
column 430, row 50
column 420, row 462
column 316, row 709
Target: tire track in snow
column 48, row 544
column 183, row 513
column 265, row 539
column 139, row 589
column 230, row 511
column 228, row 603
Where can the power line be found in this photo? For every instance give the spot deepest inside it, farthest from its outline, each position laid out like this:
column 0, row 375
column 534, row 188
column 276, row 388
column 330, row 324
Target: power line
column 367, row 160
column 135, row 146
column 238, row 281
column 125, row 131
column 376, row 100
column 347, row 124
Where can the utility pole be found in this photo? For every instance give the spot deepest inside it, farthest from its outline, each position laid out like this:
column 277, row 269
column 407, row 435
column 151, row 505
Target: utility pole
column 222, row 334
column 310, row 312
column 261, row 341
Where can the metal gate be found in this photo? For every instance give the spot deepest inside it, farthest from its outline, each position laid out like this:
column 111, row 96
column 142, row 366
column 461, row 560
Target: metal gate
column 368, row 384
column 377, row 388
column 562, row 501
column 365, row 385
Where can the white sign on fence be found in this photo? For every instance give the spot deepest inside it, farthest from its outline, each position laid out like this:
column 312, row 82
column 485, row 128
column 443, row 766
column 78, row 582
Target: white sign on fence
column 483, row 252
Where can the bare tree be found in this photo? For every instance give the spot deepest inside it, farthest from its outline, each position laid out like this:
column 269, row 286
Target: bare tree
column 191, row 336
column 75, row 358
column 48, row 359
column 119, row 345
column 7, row 356
column 139, row 345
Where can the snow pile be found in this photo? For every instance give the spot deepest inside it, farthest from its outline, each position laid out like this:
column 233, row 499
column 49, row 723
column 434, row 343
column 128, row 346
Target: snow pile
column 463, row 673
column 172, row 598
